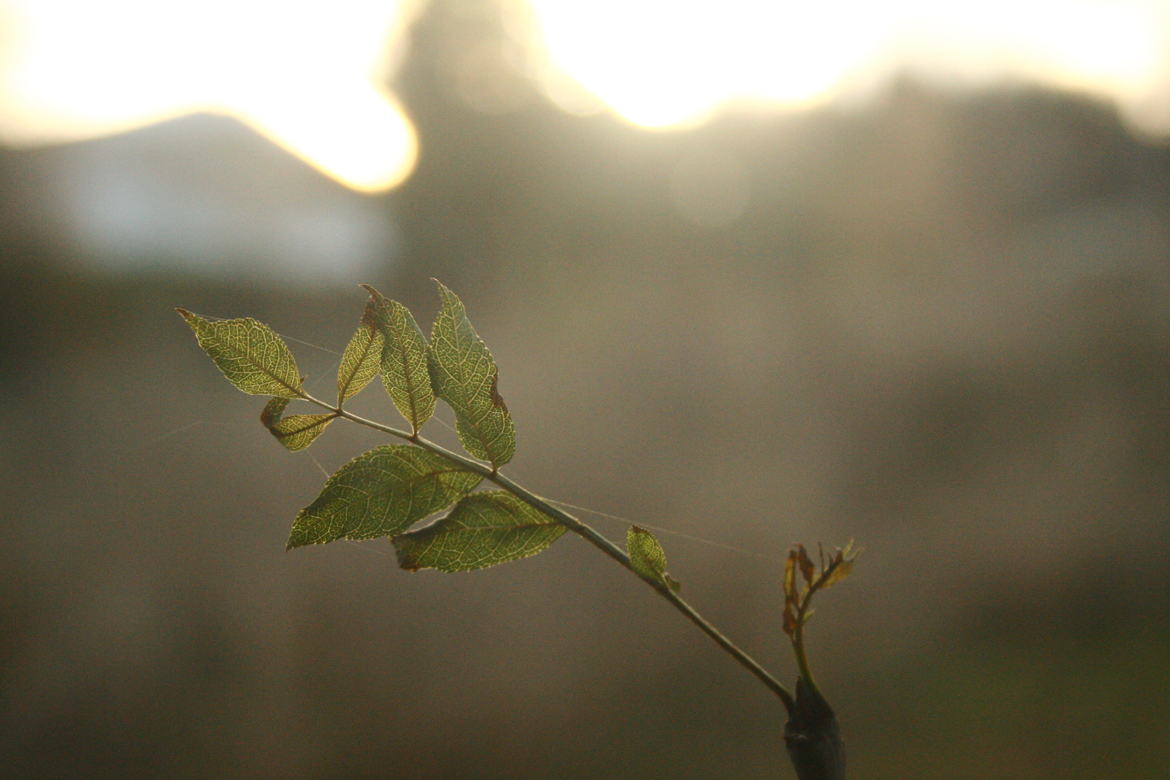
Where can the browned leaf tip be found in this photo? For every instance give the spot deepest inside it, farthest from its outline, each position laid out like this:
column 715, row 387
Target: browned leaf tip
column 789, row 619
column 405, row 560
column 370, row 316
column 790, row 577
column 807, row 570
column 272, row 411
column 497, row 399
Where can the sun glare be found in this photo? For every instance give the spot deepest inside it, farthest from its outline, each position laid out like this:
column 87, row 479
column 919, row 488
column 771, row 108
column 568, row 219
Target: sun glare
column 658, row 63
column 305, row 76
column 310, row 76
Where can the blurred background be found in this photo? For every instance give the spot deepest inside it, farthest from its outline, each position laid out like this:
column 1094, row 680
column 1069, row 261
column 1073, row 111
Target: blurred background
column 752, row 273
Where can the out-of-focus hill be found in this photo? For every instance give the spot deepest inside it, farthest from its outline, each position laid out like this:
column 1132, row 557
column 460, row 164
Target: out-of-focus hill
column 938, row 324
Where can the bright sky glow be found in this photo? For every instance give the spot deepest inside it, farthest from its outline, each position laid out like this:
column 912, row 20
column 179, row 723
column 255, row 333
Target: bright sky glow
column 304, row 74
column 662, row 63
column 308, row 75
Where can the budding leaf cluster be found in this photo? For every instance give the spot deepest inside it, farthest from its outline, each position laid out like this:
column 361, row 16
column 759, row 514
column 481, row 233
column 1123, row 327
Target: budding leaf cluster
column 832, row 569
column 386, row 491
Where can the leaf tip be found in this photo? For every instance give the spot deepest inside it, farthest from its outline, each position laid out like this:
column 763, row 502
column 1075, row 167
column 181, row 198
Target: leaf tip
column 273, row 410
column 406, row 561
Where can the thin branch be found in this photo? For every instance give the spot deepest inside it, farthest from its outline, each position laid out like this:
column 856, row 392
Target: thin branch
column 584, row 531
column 798, row 641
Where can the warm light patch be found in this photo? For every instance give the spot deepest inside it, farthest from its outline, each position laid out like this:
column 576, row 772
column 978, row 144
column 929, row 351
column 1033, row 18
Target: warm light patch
column 306, row 75
column 658, row 63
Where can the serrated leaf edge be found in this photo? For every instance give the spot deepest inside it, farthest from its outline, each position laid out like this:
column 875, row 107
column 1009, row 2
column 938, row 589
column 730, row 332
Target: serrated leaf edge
column 453, row 305
column 413, row 387
column 434, row 527
column 376, row 343
column 195, row 322
column 455, row 468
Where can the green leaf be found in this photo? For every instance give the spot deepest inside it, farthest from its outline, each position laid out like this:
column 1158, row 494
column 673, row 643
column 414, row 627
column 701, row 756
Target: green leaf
column 648, row 558
column 484, row 529
column 464, row 375
column 249, row 353
column 405, row 373
column 380, row 493
column 297, row 431
column 362, row 356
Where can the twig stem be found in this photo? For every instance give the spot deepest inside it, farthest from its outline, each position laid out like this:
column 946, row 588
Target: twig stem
column 586, row 532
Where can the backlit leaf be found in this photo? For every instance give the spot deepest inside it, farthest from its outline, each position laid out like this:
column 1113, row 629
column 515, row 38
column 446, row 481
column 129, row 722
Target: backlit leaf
column 405, row 373
column 647, row 557
column 249, row 353
column 838, row 573
column 297, row 431
column 362, row 357
column 841, row 565
column 381, row 493
column 484, row 529
column 464, row 375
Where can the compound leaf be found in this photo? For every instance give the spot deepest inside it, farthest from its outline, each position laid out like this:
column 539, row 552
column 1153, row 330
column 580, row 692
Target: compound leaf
column 484, row 529
column 249, row 353
column 464, row 375
column 648, row 558
column 362, row 357
column 405, row 373
column 297, row 431
column 380, row 493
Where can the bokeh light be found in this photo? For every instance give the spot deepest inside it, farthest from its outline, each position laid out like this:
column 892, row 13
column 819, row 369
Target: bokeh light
column 309, row 79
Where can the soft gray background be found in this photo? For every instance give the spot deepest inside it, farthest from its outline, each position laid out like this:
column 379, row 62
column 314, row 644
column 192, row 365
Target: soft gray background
column 941, row 325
